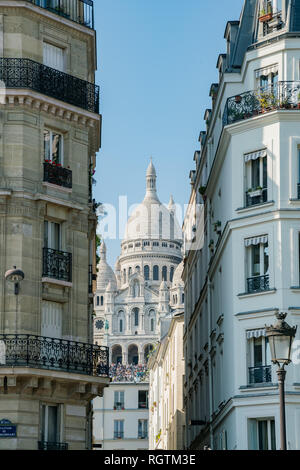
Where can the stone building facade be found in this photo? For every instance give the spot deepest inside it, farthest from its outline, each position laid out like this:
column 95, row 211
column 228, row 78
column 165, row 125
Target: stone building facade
column 50, row 130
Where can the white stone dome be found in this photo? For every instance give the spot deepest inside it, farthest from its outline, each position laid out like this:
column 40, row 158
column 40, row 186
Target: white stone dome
column 105, row 274
column 177, row 280
column 151, row 219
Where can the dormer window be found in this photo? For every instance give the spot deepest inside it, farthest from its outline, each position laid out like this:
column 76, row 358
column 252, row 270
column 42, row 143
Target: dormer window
column 270, row 16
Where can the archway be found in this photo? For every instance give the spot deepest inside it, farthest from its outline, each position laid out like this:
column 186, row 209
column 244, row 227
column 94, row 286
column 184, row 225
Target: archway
column 116, row 354
column 133, row 354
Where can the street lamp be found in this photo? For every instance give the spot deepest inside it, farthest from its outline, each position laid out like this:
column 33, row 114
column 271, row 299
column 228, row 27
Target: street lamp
column 16, row 276
column 281, row 337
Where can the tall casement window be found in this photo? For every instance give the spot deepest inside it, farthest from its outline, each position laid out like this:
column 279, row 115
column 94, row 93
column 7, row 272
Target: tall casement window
column 51, row 426
column 54, row 56
column 142, row 428
column 51, row 321
column 53, row 146
column 155, row 273
column 257, row 255
column 135, row 313
column 256, row 178
column 118, row 429
column 119, row 400
column 164, row 273
column 52, row 235
column 258, row 357
column 261, row 434
column 146, row 273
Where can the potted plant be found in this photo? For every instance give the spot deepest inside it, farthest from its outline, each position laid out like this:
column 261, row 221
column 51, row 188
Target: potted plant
column 255, row 192
column 266, row 15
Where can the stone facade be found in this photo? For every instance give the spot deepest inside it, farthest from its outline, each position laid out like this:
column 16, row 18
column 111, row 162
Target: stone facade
column 47, row 223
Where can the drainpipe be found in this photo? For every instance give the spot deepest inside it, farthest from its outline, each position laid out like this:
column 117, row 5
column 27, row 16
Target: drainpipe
column 209, row 329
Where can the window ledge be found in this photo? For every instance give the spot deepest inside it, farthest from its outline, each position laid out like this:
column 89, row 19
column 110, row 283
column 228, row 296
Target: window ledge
column 50, row 280
column 295, row 288
column 244, row 295
column 57, row 187
column 255, row 387
column 294, row 200
column 255, row 206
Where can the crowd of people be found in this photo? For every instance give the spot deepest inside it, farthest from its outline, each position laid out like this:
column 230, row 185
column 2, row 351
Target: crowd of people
column 128, row 372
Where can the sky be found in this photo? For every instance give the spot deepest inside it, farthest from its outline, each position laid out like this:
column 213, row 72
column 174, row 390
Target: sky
column 156, row 62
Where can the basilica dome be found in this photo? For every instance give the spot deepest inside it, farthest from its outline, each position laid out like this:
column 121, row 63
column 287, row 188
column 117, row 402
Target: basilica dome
column 152, row 220
column 105, row 274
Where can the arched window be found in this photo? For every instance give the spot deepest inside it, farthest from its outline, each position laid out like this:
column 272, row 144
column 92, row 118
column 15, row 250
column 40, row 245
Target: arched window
column 121, row 325
column 146, row 273
column 129, row 272
column 97, row 300
column 137, row 269
column 152, row 324
column 101, row 300
column 124, row 275
column 171, row 273
column 152, row 321
column 155, row 273
column 164, row 273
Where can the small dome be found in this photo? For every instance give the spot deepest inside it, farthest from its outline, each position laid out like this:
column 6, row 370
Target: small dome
column 105, row 273
column 177, row 279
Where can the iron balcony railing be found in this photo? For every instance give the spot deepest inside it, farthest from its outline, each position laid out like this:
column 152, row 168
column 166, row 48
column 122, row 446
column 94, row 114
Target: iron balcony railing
column 58, row 175
column 57, row 264
column 26, row 73
column 260, row 374
column 252, row 200
column 80, row 11
column 44, row 445
column 53, row 353
column 119, row 405
column 118, row 435
column 282, row 95
column 257, row 283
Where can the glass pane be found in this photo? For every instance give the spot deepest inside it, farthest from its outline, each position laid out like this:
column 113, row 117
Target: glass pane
column 266, row 258
column 273, row 435
column 257, row 352
column 255, row 260
column 47, row 145
column 263, row 435
column 265, row 176
column 255, row 173
column 264, row 81
column 56, row 147
column 268, row 352
column 52, row 423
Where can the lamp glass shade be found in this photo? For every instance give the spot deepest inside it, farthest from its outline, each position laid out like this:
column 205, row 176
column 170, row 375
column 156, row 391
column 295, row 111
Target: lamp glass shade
column 281, row 348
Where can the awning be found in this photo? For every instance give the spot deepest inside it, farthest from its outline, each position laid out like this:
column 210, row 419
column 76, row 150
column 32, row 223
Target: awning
column 255, row 333
column 255, row 155
column 266, row 70
column 256, row 240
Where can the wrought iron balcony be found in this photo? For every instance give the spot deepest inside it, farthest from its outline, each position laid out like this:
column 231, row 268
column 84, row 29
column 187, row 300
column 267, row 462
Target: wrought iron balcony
column 119, row 406
column 26, row 73
column 260, row 374
column 80, row 11
column 57, row 264
column 57, row 175
column 257, row 283
column 53, row 353
column 253, row 199
column 44, row 445
column 118, row 435
column 282, row 95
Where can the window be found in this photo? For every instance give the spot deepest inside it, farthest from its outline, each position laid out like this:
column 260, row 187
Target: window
column 146, row 273
column 52, row 235
column 129, row 272
column 51, row 423
column 261, row 434
column 258, row 264
column 155, row 244
column 256, row 178
column 143, row 399
column 97, row 300
column 136, row 316
column 118, row 429
column 171, row 273
column 146, row 243
column 53, row 147
column 119, row 400
column 121, row 325
column 164, row 244
column 155, row 273
column 53, row 56
column 259, row 357
column 164, row 273
column 143, row 429
column 137, row 269
column 152, row 324
column 101, row 300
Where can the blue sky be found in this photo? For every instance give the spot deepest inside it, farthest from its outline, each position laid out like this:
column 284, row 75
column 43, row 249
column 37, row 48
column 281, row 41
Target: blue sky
column 156, row 62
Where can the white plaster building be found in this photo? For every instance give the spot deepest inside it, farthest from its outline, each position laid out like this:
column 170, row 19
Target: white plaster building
column 129, row 306
column 244, row 265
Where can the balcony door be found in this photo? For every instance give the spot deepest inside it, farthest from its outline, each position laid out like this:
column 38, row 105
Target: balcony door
column 51, row 325
column 54, row 57
column 51, row 424
column 52, row 235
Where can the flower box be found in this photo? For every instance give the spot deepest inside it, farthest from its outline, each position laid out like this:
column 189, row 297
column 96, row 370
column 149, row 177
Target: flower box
column 266, row 17
column 256, row 193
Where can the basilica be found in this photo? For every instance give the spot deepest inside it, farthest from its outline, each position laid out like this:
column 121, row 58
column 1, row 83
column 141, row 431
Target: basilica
column 131, row 306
